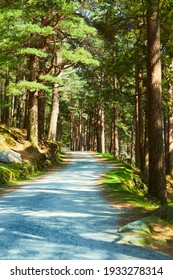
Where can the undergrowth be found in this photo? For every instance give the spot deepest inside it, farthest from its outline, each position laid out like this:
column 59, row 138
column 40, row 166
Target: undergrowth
column 124, row 185
column 12, row 172
column 126, row 182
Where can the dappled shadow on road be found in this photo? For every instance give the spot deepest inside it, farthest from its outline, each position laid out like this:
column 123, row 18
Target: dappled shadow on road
column 64, row 216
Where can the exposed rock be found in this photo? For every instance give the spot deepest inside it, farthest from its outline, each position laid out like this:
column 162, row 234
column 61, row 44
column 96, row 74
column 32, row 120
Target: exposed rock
column 142, row 225
column 137, row 226
column 140, row 232
column 135, row 240
column 10, row 156
column 2, row 138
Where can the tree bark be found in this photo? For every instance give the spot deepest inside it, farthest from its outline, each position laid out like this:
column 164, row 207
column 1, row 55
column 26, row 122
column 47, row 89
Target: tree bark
column 88, row 137
column 137, row 134
column 166, row 141
column 33, row 104
column 80, row 131
column 54, row 114
column 33, row 118
column 72, row 138
column 115, row 134
column 170, row 135
column 157, row 182
column 115, row 118
column 101, row 131
column 41, row 114
column 6, row 113
column 26, row 112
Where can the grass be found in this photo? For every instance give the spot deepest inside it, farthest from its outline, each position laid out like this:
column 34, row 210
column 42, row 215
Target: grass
column 121, row 183
column 126, row 182
column 12, row 173
column 123, row 187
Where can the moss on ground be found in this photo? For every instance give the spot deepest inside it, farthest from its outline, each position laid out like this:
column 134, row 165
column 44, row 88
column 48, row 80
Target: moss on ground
column 34, row 161
column 126, row 182
column 149, row 224
column 12, row 172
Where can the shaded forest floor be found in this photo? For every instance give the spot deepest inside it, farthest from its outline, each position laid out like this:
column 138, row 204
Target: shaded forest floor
column 16, row 139
column 34, row 161
column 159, row 233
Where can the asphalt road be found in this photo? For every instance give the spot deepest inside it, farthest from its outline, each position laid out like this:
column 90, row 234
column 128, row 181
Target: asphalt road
column 63, row 216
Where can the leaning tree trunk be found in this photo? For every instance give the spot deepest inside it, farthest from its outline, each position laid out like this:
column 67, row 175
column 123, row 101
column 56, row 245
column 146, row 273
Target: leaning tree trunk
column 157, row 182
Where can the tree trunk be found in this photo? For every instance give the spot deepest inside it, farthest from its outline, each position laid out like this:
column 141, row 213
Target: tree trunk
column 157, row 182
column 33, row 104
column 88, row 137
column 166, row 141
column 41, row 114
column 101, row 132
column 72, row 138
column 26, row 112
column 80, row 134
column 111, row 138
column 115, row 134
column 137, row 134
column 54, row 114
column 115, row 118
column 170, row 135
column 14, row 111
column 33, row 118
column 6, row 113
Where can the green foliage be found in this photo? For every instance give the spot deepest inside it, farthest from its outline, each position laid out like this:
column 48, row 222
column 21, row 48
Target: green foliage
column 11, row 172
column 78, row 55
column 127, row 188
column 12, row 89
column 126, row 174
column 5, row 174
column 33, row 51
column 127, row 185
column 22, row 86
column 32, row 86
column 51, row 78
column 103, row 41
column 34, row 28
column 77, row 28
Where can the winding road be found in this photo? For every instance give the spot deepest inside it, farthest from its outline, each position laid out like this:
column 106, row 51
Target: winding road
column 63, row 216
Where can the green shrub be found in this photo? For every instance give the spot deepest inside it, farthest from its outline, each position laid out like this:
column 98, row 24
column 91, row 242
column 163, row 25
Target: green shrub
column 16, row 171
